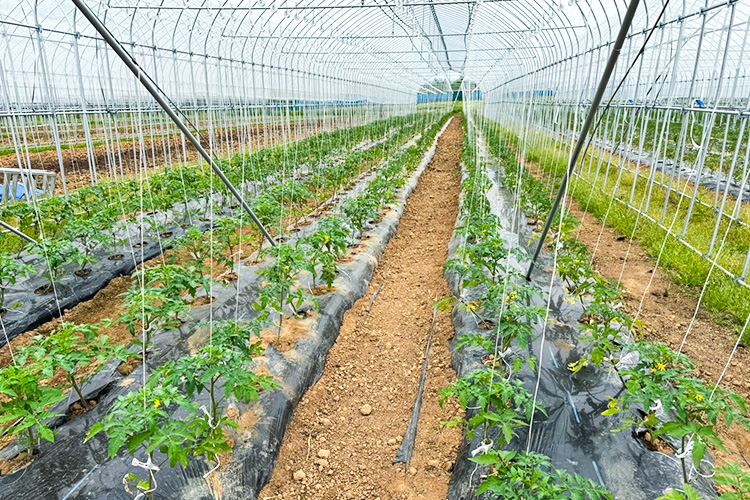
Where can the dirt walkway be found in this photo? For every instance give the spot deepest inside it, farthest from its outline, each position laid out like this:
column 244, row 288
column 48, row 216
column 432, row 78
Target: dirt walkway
column 666, row 313
column 332, row 450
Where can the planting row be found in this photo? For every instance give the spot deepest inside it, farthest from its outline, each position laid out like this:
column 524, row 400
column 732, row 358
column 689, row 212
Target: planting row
column 662, row 400
column 105, row 229
column 187, row 409
column 491, row 293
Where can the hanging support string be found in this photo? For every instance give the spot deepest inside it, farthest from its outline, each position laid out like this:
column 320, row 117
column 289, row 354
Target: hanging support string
column 151, row 88
column 624, row 28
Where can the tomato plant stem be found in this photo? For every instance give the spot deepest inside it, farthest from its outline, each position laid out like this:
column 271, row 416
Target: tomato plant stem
column 77, row 388
column 32, row 444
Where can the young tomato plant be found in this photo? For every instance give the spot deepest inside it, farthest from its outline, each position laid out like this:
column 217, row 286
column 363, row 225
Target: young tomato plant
column 175, row 281
column 678, row 404
column 499, row 402
column 573, row 268
column 141, row 422
column 359, row 211
column 521, row 476
column 293, row 193
column 197, row 250
column 72, row 348
column 733, row 476
column 281, row 276
column 516, row 325
column 228, row 236
column 25, row 404
column 689, row 493
column 226, row 359
column 604, row 334
column 326, row 245
column 55, row 254
column 89, row 233
column 11, row 270
column 155, row 301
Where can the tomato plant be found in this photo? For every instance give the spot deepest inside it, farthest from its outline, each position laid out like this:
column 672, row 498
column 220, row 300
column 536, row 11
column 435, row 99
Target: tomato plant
column 89, row 233
column 11, row 270
column 25, row 404
column 326, row 245
column 72, row 348
column 521, row 476
column 677, row 404
column 155, row 300
column 55, row 254
column 359, row 211
column 144, row 421
column 227, row 231
column 498, row 402
column 281, row 275
column 227, row 359
column 141, row 422
column 603, row 333
column 733, row 476
column 198, row 251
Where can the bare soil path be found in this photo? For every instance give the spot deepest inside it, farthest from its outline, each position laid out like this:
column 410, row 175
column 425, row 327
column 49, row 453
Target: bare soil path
column 348, row 428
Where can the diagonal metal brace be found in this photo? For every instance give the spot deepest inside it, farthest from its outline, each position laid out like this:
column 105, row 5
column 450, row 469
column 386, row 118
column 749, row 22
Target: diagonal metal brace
column 146, row 81
column 609, row 68
column 17, row 232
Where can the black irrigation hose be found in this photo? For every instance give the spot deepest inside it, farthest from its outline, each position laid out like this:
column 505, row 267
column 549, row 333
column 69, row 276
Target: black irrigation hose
column 611, row 62
column 154, row 91
column 406, row 451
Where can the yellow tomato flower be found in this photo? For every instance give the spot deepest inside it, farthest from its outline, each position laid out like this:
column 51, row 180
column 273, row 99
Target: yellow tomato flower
column 661, row 367
column 157, row 403
column 699, row 397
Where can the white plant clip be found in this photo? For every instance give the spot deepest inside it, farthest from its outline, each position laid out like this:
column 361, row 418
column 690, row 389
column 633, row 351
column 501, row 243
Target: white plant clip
column 629, row 361
column 213, row 426
column 151, row 467
column 658, row 409
column 505, row 353
column 483, row 449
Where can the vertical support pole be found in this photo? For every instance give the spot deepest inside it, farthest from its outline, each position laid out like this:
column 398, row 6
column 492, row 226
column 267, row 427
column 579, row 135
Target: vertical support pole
column 53, row 114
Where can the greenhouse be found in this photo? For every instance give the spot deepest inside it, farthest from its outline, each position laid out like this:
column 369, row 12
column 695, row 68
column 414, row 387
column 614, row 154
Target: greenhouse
column 374, row 249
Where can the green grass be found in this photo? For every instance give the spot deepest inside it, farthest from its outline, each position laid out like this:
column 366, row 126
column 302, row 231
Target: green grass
column 684, row 266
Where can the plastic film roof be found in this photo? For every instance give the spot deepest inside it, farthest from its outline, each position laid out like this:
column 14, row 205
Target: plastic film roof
column 397, row 46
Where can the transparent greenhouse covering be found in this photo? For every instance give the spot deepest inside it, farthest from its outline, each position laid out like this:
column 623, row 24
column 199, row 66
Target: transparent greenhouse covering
column 389, row 50
column 202, row 200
